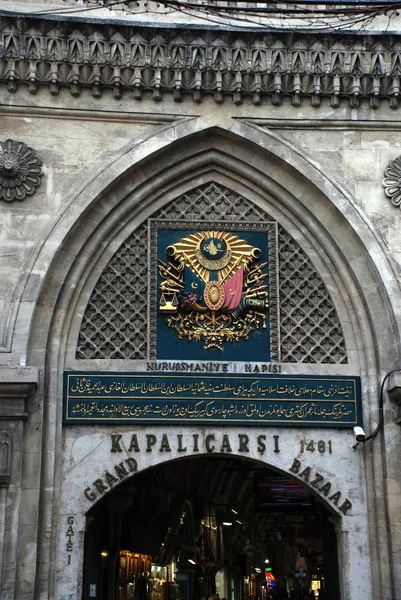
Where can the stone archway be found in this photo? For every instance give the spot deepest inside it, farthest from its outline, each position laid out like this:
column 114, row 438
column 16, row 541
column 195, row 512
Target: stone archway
column 206, row 515
column 121, row 466
column 320, row 216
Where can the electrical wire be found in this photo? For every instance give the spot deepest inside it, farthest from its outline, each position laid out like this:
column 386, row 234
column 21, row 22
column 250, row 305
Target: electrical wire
column 339, row 23
column 289, row 14
column 381, row 408
column 323, row 19
column 53, row 11
column 293, row 8
column 271, row 7
column 194, row 10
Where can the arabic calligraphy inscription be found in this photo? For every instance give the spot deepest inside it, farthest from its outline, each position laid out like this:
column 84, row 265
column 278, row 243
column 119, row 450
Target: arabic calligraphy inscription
column 239, row 398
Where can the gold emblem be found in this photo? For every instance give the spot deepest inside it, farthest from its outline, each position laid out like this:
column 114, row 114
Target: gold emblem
column 213, row 248
column 216, row 265
column 213, row 288
column 190, row 251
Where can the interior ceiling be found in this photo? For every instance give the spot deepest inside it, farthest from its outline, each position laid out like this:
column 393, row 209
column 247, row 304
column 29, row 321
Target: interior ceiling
column 214, row 484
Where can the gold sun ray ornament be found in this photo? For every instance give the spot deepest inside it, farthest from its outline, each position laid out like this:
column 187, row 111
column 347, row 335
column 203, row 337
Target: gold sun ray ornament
column 213, row 289
column 210, row 251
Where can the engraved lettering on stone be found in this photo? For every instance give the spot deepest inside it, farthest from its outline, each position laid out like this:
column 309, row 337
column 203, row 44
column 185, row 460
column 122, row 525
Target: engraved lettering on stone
column 321, row 485
column 69, row 534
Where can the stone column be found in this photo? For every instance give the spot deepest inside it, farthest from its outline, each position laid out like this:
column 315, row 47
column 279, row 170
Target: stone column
column 16, row 386
column 391, row 452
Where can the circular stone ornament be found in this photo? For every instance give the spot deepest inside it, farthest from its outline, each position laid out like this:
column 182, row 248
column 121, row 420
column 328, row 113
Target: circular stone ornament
column 214, row 295
column 20, row 171
column 392, row 182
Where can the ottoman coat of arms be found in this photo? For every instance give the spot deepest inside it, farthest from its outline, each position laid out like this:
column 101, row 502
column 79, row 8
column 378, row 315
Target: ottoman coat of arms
column 214, row 288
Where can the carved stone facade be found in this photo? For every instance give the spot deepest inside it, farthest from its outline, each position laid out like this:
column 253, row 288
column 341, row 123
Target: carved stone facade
column 310, row 329
column 115, row 322
column 6, row 446
column 197, row 63
column 138, row 118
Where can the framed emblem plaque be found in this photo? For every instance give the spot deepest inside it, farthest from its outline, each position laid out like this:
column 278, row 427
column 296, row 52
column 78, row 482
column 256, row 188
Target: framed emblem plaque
column 212, row 289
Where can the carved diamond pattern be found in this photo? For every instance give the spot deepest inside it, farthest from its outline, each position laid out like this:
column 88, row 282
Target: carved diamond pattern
column 212, row 202
column 115, row 321
column 310, row 329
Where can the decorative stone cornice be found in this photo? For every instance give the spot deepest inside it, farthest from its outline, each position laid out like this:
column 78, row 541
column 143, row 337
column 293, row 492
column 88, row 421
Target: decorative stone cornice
column 16, row 386
column 13, row 397
column 20, row 171
column 265, row 67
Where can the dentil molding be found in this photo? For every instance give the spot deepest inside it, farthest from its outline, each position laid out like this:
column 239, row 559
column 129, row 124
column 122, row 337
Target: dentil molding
column 189, row 63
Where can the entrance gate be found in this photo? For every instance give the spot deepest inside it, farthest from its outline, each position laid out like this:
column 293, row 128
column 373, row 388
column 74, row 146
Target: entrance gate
column 198, row 527
column 109, row 491
column 122, row 310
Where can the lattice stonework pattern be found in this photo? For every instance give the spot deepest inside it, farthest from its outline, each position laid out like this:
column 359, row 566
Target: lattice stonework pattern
column 309, row 325
column 115, row 321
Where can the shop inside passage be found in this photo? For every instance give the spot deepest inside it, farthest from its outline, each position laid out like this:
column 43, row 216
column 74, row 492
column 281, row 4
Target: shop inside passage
column 207, row 528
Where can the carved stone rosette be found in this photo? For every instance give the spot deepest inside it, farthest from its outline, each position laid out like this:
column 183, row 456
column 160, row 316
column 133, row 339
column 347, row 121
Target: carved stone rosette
column 392, row 182
column 20, row 171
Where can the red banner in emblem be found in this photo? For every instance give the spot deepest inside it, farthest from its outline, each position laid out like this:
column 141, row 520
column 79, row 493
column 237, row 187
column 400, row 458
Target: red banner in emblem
column 233, row 290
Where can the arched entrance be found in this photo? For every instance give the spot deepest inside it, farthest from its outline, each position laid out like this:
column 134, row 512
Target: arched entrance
column 318, row 230
column 220, row 465
column 206, row 527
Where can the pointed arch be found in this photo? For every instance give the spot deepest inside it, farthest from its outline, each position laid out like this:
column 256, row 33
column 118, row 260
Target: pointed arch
column 318, row 213
column 115, row 323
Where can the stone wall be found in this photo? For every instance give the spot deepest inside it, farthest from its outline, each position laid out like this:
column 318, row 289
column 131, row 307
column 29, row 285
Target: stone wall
column 109, row 163
column 75, row 146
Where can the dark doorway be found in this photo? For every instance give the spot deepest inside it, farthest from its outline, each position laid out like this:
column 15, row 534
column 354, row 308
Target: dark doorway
column 207, row 528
